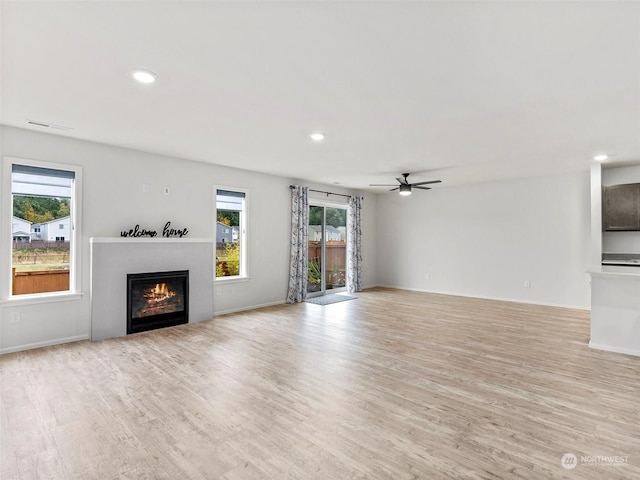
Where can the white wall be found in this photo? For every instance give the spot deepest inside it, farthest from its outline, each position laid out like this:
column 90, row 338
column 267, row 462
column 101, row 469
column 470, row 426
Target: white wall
column 487, row 239
column 621, row 242
column 478, row 240
column 113, row 200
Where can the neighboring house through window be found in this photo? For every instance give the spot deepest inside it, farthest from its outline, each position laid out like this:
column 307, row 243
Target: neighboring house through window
column 231, row 217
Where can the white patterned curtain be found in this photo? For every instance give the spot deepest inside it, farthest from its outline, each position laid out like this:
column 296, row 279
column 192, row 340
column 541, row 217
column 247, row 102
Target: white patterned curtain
column 299, row 245
column 354, row 245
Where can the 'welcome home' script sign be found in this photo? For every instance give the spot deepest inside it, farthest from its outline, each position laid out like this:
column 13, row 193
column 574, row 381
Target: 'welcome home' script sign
column 167, row 232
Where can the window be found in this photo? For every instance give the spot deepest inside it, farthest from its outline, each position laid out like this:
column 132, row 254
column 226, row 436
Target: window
column 44, row 195
column 231, row 217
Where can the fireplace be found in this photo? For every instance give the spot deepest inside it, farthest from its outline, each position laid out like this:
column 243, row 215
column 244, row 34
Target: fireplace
column 157, row 300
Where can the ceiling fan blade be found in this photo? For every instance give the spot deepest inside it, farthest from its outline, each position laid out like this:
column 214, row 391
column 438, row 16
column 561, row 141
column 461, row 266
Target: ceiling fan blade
column 381, row 185
column 393, row 189
column 426, row 183
column 403, row 181
column 421, row 188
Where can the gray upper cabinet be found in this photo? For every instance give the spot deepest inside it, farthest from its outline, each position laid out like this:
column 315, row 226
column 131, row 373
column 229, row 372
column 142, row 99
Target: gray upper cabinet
column 622, row 207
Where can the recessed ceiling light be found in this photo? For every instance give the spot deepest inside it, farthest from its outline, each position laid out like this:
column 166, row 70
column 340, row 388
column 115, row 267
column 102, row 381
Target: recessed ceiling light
column 601, row 158
column 317, row 136
column 144, row 76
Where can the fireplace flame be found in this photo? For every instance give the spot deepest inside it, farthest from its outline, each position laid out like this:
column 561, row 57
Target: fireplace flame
column 159, row 293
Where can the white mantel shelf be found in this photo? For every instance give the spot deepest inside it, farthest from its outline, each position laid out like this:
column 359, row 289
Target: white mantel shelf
column 149, row 240
column 113, row 258
column 613, row 271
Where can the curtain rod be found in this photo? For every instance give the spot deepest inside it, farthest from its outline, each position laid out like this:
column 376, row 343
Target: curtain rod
column 322, row 191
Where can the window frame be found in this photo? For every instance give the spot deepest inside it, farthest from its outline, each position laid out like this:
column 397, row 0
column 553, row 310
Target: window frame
column 243, row 235
column 75, row 233
column 319, row 201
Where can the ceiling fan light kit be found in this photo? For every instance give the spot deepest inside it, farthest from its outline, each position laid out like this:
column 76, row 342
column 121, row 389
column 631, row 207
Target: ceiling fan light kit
column 405, row 189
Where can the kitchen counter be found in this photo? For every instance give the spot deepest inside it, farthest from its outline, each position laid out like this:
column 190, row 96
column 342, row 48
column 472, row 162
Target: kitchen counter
column 615, row 309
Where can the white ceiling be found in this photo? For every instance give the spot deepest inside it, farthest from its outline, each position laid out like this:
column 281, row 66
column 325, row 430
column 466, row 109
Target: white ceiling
column 461, row 91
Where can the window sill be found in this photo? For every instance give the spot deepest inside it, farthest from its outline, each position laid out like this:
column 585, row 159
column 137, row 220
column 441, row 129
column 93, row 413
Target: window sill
column 221, row 280
column 41, row 298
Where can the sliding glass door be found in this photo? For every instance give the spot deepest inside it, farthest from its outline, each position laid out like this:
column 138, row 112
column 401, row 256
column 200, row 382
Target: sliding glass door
column 327, row 249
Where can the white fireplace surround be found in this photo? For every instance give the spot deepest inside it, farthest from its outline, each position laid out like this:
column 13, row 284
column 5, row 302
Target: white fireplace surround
column 113, row 258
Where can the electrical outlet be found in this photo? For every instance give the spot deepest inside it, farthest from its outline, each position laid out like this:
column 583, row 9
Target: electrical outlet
column 527, row 284
column 15, row 317
column 145, row 188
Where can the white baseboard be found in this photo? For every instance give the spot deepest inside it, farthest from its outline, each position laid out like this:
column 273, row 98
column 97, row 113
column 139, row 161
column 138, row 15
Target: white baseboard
column 249, row 307
column 47, row 343
column 609, row 348
column 500, row 299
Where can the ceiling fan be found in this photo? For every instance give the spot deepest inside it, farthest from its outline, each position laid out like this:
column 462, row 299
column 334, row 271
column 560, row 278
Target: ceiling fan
column 404, row 186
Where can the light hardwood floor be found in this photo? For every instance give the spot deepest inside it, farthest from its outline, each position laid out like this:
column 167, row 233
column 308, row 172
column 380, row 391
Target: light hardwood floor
column 393, row 385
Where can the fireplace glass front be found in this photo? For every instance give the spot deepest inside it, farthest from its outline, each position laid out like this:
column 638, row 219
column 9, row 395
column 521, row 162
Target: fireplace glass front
column 157, row 300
